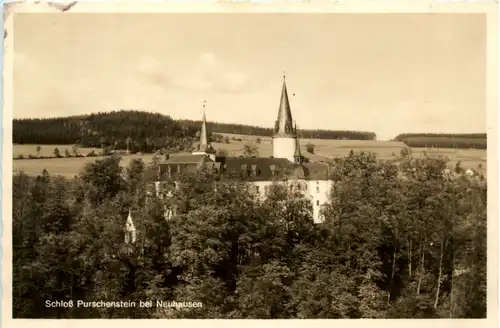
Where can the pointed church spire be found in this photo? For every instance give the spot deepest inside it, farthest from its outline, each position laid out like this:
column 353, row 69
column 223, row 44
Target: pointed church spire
column 283, row 126
column 204, row 145
column 204, row 132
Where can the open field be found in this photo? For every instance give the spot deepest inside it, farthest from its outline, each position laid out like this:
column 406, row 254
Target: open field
column 324, row 150
column 47, row 150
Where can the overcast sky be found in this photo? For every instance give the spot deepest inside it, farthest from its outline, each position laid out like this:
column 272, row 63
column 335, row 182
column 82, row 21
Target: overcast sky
column 386, row 73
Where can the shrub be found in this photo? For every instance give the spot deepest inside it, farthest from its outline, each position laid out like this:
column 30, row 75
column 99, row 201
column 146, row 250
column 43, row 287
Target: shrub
column 310, row 148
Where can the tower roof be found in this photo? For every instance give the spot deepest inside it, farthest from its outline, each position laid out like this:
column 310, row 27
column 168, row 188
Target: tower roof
column 204, row 144
column 284, row 125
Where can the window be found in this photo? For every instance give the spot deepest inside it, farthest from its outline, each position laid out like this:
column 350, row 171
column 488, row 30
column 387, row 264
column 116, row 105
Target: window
column 257, row 188
column 317, row 203
column 317, row 190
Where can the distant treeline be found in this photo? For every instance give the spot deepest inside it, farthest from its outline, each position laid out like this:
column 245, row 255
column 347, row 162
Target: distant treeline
column 403, row 136
column 140, row 131
column 444, row 140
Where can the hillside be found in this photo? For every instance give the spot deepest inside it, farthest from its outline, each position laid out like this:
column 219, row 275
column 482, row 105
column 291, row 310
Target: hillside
column 140, row 131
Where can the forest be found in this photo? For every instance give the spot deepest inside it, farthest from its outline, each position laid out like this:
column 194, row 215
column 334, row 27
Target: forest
column 398, row 241
column 444, row 140
column 139, row 130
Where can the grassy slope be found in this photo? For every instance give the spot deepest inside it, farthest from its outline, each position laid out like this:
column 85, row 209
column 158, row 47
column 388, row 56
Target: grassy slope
column 324, row 150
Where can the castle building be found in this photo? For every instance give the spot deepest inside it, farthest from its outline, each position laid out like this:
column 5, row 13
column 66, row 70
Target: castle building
column 287, row 162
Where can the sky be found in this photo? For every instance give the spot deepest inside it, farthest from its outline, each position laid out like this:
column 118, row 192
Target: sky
column 385, row 73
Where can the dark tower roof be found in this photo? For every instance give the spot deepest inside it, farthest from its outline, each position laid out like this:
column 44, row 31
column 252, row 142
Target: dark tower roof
column 284, row 125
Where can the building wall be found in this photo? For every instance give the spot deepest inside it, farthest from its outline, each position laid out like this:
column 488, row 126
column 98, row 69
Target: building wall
column 316, row 190
column 284, row 148
column 319, row 191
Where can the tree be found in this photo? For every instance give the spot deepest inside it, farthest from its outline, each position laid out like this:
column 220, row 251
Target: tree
column 38, row 149
column 258, row 140
column 222, row 152
column 250, row 150
column 398, row 241
column 310, row 148
column 74, row 149
column 129, row 143
column 67, row 153
column 57, row 153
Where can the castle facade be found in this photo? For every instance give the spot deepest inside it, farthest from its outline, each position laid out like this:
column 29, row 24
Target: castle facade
column 287, row 165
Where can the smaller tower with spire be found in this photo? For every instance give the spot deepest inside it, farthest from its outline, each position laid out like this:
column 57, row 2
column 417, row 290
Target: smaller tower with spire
column 204, row 147
column 130, row 232
column 285, row 136
column 297, row 155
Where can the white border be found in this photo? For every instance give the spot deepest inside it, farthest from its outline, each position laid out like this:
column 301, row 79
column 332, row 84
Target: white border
column 320, row 6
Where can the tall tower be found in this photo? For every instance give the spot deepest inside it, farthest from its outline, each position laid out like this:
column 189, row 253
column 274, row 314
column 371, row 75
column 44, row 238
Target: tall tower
column 204, row 147
column 285, row 135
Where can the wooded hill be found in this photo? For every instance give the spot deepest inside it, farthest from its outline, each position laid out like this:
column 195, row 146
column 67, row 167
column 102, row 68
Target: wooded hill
column 444, row 140
column 145, row 131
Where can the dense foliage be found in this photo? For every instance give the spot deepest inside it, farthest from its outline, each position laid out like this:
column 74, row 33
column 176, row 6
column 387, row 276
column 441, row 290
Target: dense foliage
column 438, row 142
column 398, row 242
column 140, row 131
column 403, row 136
column 444, row 140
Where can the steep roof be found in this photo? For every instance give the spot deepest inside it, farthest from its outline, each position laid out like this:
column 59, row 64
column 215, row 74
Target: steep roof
column 317, row 171
column 186, row 159
column 251, row 168
column 177, row 165
column 204, row 144
column 284, row 122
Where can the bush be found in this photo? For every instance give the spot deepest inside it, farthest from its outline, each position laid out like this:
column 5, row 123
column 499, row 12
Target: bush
column 250, row 150
column 310, row 148
column 222, row 152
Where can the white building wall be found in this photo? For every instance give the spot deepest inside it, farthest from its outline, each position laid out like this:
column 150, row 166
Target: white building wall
column 317, row 191
column 284, row 148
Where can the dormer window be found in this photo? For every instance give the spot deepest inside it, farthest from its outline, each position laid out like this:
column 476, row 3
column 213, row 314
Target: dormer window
column 255, row 170
column 273, row 170
column 244, row 170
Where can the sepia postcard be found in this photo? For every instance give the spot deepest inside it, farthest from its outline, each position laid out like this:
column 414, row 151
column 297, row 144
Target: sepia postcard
column 289, row 160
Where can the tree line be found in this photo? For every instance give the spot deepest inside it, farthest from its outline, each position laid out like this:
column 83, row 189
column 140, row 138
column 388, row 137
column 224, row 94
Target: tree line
column 444, row 140
column 139, row 131
column 398, row 241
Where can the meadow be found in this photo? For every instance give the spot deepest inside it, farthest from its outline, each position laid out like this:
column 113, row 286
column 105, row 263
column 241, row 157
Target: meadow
column 323, row 150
